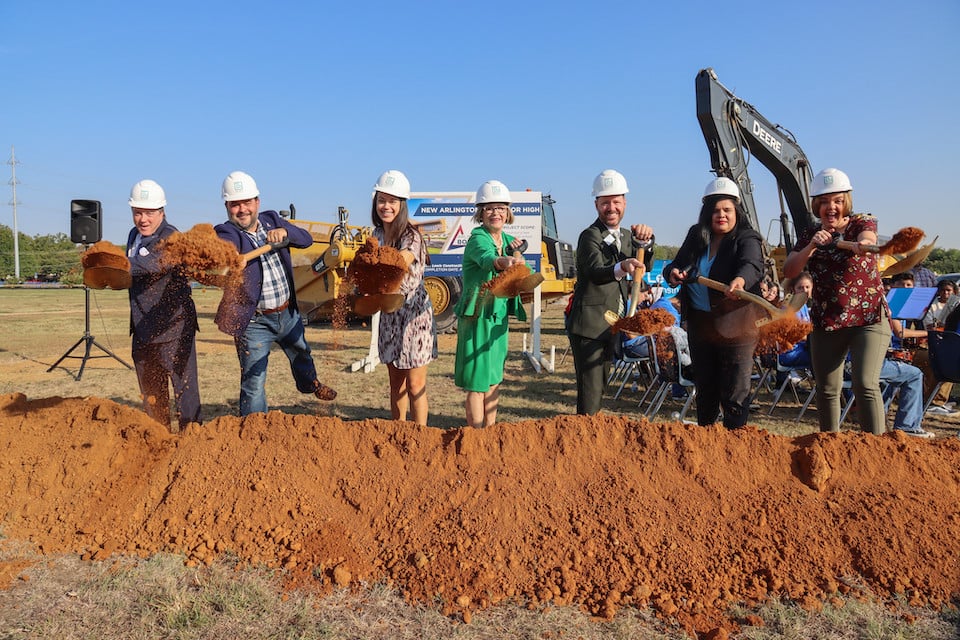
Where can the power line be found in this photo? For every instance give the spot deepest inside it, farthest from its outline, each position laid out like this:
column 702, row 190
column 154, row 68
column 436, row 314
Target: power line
column 13, row 162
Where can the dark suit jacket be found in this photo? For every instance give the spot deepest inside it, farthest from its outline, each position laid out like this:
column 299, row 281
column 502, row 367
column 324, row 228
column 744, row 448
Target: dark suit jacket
column 740, row 254
column 597, row 290
column 234, row 314
column 161, row 304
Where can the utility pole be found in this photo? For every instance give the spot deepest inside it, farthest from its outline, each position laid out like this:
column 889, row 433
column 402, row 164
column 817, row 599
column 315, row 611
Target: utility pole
column 16, row 234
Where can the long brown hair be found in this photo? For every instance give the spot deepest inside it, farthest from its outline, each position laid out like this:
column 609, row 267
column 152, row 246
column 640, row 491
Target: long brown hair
column 400, row 226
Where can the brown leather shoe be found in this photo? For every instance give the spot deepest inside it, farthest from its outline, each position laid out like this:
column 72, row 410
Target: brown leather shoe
column 323, row 392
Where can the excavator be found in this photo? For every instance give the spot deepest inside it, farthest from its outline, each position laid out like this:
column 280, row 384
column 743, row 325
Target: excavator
column 735, row 132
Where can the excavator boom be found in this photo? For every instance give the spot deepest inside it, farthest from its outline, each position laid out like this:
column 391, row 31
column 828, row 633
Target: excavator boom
column 734, row 132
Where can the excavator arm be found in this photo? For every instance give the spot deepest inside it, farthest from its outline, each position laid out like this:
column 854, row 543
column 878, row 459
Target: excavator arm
column 734, row 131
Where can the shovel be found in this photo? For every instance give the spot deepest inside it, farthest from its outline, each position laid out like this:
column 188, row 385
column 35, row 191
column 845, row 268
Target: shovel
column 612, row 317
column 774, row 312
column 910, row 260
column 533, row 280
column 250, row 255
column 527, row 284
column 903, row 241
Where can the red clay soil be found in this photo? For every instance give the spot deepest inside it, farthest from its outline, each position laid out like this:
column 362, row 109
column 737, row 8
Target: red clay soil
column 377, row 269
column 601, row 512
column 645, row 322
column 506, row 284
column 202, row 255
column 782, row 335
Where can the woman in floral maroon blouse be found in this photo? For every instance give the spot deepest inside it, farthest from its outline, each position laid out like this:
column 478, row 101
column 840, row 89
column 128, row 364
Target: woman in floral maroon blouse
column 849, row 311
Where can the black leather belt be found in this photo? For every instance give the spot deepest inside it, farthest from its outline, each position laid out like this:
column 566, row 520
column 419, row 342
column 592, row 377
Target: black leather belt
column 266, row 312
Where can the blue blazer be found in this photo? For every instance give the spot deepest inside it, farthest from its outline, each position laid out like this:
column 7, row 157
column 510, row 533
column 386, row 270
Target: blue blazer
column 236, row 309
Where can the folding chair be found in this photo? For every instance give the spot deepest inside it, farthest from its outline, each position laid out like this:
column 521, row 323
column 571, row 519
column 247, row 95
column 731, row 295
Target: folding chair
column 668, row 372
column 944, row 352
column 624, row 366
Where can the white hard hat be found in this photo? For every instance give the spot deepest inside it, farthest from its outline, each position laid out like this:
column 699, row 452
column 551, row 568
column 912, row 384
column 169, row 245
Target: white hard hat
column 493, row 191
column 721, row 187
column 394, row 183
column 609, row 183
column 147, row 194
column 239, row 186
column 830, row 181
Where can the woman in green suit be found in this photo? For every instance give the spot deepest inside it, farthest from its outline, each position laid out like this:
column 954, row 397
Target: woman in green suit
column 482, row 319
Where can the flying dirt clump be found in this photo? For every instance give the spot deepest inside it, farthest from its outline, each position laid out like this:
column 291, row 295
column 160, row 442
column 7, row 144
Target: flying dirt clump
column 645, row 322
column 202, row 255
column 601, row 512
column 377, row 269
column 781, row 335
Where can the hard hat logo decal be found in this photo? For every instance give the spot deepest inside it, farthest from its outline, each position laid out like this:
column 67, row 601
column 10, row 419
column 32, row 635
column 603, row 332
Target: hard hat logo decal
column 144, row 194
column 238, row 186
column 389, row 181
column 828, row 180
column 607, row 183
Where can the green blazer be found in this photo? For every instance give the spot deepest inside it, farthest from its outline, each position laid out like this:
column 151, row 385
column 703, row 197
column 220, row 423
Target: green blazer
column 478, row 258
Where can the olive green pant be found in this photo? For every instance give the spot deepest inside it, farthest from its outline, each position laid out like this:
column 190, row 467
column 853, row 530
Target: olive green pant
column 867, row 346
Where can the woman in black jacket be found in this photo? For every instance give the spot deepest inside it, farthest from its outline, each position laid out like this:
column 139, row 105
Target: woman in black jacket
column 721, row 328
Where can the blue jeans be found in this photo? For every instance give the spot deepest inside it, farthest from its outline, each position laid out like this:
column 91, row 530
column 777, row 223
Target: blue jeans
column 910, row 402
column 253, row 348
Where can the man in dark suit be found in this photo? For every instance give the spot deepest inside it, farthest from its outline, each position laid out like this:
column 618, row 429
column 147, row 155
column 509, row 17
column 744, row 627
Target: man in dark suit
column 263, row 311
column 606, row 254
column 163, row 318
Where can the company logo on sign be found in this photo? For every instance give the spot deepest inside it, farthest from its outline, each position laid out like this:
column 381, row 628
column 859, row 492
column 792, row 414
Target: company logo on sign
column 459, row 238
column 766, row 137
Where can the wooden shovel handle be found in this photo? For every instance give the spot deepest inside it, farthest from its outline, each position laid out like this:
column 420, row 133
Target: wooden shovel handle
column 851, row 245
column 743, row 295
column 635, row 288
column 259, row 251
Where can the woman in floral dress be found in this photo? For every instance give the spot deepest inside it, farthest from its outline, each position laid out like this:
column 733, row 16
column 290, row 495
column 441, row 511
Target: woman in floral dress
column 849, row 311
column 408, row 336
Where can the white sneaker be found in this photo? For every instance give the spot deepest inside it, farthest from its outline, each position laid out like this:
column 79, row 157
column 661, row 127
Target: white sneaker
column 919, row 433
column 795, row 378
column 937, row 410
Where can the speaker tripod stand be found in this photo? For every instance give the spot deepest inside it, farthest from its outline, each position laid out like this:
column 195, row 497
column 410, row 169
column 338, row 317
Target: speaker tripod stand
column 88, row 341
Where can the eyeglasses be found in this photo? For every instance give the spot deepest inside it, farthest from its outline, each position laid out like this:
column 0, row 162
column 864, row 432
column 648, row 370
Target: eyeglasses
column 495, row 208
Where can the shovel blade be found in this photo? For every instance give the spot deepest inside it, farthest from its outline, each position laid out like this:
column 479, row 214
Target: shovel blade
column 531, row 282
column 910, row 260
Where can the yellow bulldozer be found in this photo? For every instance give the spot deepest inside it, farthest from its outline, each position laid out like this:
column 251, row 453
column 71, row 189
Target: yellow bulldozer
column 320, row 271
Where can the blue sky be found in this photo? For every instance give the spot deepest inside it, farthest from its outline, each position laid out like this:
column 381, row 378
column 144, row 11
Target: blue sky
column 315, row 100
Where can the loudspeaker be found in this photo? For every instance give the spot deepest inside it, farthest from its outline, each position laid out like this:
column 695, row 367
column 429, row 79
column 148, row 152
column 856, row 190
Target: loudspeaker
column 85, row 225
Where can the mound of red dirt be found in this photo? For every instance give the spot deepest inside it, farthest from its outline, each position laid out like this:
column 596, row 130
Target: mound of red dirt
column 602, row 512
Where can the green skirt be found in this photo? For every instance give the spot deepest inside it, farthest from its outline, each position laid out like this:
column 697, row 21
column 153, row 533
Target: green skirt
column 481, row 352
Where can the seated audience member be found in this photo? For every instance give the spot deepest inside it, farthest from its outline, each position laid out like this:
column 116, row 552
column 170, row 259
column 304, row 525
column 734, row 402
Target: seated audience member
column 799, row 356
column 920, row 358
column 636, row 346
column 898, row 373
column 945, row 302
